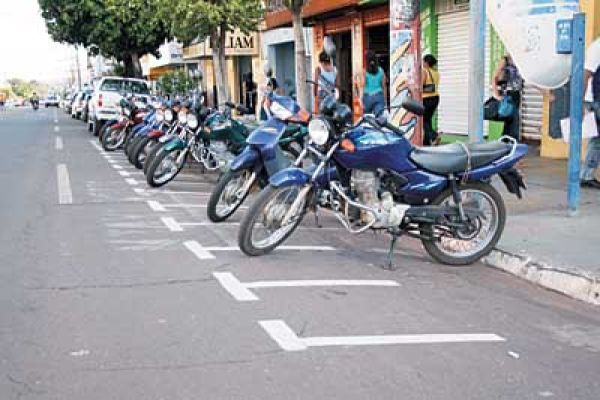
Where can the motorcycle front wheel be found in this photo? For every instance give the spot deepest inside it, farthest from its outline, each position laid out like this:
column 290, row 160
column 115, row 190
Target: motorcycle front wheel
column 113, row 139
column 131, row 147
column 228, row 195
column 262, row 228
column 141, row 151
column 478, row 237
column 165, row 167
column 151, row 156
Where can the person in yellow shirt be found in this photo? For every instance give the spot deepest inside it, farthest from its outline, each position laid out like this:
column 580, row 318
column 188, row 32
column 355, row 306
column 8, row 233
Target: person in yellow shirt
column 431, row 98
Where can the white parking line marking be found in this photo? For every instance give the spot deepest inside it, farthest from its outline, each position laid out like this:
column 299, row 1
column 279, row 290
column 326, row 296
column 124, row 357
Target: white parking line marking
column 96, row 145
column 241, row 290
column 287, row 339
column 162, row 191
column 156, row 206
column 124, row 173
column 131, row 181
column 171, row 224
column 58, row 143
column 65, row 195
column 116, row 166
column 201, row 252
column 163, row 207
column 235, row 288
column 111, row 161
column 290, row 248
column 56, row 128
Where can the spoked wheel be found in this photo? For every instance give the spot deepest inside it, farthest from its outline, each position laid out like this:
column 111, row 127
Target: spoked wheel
column 151, row 156
column 229, row 194
column 165, row 167
column 140, row 152
column 113, row 139
column 264, row 227
column 478, row 236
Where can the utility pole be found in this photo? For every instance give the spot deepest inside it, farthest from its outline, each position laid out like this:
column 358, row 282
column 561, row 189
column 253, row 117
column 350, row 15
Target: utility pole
column 577, row 92
column 476, row 69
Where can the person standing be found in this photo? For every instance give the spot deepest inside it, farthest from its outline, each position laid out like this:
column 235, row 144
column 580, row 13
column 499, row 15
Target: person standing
column 592, row 103
column 326, row 75
column 373, row 96
column 431, row 98
column 507, row 81
column 271, row 87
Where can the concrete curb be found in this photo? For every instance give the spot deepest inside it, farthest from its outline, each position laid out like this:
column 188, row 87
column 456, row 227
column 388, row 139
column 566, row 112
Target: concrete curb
column 571, row 282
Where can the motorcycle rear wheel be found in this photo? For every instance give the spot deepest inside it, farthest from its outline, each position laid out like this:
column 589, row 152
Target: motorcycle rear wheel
column 453, row 251
column 131, row 147
column 159, row 162
column 151, row 156
column 113, row 139
column 140, row 152
column 266, row 209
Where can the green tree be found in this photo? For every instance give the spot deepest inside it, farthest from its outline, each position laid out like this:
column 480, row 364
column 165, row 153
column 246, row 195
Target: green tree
column 23, row 88
column 121, row 29
column 195, row 20
column 176, row 82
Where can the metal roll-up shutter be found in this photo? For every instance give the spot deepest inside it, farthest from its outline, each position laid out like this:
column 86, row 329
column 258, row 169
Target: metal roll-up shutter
column 532, row 105
column 453, row 65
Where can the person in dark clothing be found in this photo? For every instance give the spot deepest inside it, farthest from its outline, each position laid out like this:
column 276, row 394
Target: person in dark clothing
column 250, row 92
column 431, row 98
column 507, row 81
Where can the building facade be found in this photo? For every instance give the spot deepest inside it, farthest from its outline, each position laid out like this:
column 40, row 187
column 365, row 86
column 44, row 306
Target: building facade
column 359, row 26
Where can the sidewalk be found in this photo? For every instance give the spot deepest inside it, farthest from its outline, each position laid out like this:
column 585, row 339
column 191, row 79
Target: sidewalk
column 541, row 243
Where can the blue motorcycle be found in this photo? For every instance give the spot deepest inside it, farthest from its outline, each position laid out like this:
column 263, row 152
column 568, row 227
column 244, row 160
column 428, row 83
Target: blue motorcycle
column 372, row 178
column 269, row 148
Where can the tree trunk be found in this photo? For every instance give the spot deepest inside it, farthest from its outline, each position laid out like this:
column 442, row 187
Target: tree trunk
column 300, row 49
column 217, row 40
column 133, row 67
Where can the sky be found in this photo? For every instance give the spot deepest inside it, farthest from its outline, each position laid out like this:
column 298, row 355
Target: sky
column 26, row 49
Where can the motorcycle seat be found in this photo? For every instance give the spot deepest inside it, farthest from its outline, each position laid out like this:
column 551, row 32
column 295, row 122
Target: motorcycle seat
column 453, row 158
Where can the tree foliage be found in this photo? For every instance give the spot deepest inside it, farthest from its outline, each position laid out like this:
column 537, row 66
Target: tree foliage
column 23, row 88
column 176, row 82
column 122, row 29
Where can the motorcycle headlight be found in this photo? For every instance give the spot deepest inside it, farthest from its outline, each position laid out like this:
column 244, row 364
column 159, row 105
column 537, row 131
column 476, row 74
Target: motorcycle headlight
column 192, row 121
column 169, row 115
column 160, row 116
column 182, row 117
column 319, row 130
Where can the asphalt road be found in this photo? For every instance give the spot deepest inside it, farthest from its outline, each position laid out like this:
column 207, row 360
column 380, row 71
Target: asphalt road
column 108, row 291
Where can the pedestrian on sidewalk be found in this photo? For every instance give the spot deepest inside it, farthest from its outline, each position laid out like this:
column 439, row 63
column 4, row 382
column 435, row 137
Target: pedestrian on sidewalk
column 507, row 82
column 373, row 96
column 326, row 75
column 592, row 102
column 431, row 98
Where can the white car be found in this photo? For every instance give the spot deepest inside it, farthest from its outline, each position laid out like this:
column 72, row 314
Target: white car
column 108, row 91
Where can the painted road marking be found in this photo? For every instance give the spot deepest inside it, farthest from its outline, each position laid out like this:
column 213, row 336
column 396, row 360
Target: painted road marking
column 56, row 128
column 162, row 191
column 97, row 146
column 158, row 206
column 111, row 161
column 287, row 248
column 171, row 224
column 201, row 252
column 58, row 143
column 155, row 206
column 117, row 166
column 241, row 290
column 65, row 195
column 287, row 339
column 131, row 181
column 124, row 173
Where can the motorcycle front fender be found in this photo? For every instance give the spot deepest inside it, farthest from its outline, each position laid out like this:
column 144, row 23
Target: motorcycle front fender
column 175, row 143
column 245, row 160
column 289, row 177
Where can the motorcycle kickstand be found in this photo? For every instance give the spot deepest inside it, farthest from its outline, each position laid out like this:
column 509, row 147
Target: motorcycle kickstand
column 389, row 265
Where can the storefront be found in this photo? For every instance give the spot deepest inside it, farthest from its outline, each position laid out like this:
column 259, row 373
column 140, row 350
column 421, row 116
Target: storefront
column 279, row 53
column 241, row 60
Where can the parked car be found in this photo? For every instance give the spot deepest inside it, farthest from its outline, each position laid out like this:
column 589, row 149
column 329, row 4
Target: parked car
column 51, row 101
column 85, row 112
column 108, row 91
column 69, row 103
column 78, row 104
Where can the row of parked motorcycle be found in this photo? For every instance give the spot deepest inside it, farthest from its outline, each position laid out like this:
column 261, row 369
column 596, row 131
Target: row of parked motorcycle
column 366, row 173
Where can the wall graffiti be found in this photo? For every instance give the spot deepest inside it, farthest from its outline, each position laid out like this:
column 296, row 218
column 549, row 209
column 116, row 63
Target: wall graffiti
column 405, row 73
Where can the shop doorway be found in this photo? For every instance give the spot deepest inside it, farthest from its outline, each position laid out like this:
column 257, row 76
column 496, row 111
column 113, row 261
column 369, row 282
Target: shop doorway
column 378, row 41
column 244, row 67
column 343, row 62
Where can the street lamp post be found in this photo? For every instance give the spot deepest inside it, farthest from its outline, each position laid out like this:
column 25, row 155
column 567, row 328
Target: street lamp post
column 476, row 69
